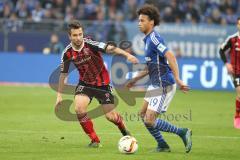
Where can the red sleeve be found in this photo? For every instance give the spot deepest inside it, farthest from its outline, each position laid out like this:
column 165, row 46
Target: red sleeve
column 65, row 62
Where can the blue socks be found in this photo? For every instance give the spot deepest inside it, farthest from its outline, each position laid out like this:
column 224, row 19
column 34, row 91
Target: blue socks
column 166, row 127
column 161, row 125
column 156, row 134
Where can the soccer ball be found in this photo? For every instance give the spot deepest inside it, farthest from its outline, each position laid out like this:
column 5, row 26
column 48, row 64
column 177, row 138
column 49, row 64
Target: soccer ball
column 128, row 145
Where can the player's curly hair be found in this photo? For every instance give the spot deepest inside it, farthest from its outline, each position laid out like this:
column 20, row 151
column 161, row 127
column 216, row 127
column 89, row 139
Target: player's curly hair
column 151, row 11
column 74, row 24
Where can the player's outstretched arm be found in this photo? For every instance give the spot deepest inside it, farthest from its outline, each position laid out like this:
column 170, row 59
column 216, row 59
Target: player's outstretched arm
column 174, row 66
column 139, row 76
column 116, row 50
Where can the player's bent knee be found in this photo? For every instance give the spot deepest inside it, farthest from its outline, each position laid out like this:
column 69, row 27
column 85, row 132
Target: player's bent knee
column 148, row 123
column 142, row 114
column 79, row 110
column 110, row 116
column 238, row 97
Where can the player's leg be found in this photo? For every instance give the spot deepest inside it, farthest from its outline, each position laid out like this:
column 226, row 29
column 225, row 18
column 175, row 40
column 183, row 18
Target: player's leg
column 184, row 133
column 143, row 110
column 82, row 100
column 149, row 117
column 155, row 125
column 159, row 104
column 114, row 117
column 237, row 113
column 149, row 120
column 236, row 82
column 105, row 97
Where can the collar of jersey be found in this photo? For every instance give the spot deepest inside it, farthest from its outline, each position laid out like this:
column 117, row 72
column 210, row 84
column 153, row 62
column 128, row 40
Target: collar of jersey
column 145, row 38
column 78, row 50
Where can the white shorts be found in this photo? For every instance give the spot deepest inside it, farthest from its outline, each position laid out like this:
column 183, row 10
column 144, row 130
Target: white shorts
column 159, row 98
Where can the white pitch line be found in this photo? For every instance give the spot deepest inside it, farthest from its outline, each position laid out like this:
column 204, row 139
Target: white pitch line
column 110, row 133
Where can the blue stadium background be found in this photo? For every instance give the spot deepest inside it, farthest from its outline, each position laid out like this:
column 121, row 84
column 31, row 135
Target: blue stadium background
column 194, row 30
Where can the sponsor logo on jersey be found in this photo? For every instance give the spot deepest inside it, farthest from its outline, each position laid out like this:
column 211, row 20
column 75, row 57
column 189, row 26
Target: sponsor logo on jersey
column 83, row 60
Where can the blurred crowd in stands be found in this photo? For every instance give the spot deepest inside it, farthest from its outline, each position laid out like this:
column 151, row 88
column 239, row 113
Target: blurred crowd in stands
column 105, row 17
column 175, row 11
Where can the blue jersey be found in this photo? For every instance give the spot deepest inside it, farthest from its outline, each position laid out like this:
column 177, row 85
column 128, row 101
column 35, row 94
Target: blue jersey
column 159, row 71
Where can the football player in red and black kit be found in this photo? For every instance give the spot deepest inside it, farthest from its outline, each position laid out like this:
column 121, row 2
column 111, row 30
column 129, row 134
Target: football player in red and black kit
column 94, row 79
column 232, row 47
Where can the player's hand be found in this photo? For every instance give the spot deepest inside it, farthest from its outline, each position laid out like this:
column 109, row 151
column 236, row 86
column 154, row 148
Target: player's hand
column 130, row 83
column 132, row 59
column 229, row 68
column 58, row 102
column 182, row 86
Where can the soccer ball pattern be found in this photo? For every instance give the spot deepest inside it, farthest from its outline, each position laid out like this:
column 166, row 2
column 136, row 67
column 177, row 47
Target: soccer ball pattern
column 128, row 145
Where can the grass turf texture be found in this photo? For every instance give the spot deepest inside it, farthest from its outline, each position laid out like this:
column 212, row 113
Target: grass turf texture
column 29, row 128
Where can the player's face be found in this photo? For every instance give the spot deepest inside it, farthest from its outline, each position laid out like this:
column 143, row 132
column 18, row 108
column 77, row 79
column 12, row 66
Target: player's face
column 76, row 37
column 145, row 25
column 238, row 25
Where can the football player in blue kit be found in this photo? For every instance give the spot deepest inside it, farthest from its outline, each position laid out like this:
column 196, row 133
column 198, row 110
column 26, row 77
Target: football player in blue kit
column 162, row 68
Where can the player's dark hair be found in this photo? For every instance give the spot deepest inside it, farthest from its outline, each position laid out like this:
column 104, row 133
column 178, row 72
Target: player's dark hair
column 238, row 19
column 74, row 24
column 151, row 11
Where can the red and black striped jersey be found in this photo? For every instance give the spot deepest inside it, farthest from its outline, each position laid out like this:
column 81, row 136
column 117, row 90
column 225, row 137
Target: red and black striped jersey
column 89, row 62
column 232, row 46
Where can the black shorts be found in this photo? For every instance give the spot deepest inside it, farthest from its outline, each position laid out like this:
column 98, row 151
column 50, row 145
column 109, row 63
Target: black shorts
column 102, row 93
column 236, row 80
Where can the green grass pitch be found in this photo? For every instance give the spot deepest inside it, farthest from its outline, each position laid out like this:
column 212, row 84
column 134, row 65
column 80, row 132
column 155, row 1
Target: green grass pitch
column 29, row 128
